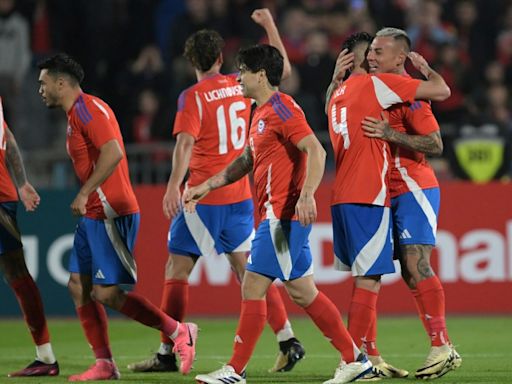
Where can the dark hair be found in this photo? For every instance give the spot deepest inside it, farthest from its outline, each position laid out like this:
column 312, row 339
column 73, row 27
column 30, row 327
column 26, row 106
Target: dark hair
column 351, row 44
column 62, row 63
column 355, row 39
column 202, row 48
column 262, row 56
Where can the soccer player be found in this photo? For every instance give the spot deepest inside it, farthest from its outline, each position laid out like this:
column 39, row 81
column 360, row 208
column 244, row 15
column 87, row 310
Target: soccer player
column 361, row 202
column 412, row 132
column 101, row 257
column 211, row 129
column 12, row 259
column 288, row 163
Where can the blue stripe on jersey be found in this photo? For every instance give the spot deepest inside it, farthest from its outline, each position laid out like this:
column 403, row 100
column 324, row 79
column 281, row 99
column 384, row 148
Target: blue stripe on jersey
column 87, row 113
column 82, row 111
column 414, row 106
column 181, row 100
column 282, row 111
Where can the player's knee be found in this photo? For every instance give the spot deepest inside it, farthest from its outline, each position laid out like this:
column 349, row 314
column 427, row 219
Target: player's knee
column 13, row 266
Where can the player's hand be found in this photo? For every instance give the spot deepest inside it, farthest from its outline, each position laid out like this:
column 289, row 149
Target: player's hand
column 78, row 205
column 376, row 128
column 419, row 63
column 344, row 62
column 305, row 209
column 172, row 202
column 29, row 197
column 263, row 17
column 193, row 195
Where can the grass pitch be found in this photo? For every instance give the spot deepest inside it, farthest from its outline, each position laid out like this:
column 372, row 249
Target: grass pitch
column 484, row 343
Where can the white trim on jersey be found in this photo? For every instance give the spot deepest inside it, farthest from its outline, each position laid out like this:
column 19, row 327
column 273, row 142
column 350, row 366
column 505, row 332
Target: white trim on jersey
column 419, row 196
column 369, row 254
column 200, row 233
column 101, row 108
column 281, row 247
column 381, row 197
column 385, row 95
column 110, row 213
column 125, row 256
column 268, row 189
column 199, row 107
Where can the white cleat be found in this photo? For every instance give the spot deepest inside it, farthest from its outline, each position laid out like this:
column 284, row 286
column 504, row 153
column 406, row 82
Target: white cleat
column 347, row 373
column 439, row 362
column 224, row 375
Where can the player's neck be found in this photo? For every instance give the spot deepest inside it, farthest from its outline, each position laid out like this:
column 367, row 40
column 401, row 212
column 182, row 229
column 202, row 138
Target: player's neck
column 70, row 99
column 264, row 93
column 211, row 72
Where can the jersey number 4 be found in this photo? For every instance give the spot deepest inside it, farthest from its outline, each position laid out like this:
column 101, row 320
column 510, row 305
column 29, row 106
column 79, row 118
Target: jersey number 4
column 341, row 126
column 236, row 129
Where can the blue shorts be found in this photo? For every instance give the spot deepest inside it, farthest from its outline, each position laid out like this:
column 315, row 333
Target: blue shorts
column 103, row 249
column 10, row 237
column 415, row 216
column 280, row 250
column 213, row 230
column 363, row 241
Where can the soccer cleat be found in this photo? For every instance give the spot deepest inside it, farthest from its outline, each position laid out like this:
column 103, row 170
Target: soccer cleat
column 185, row 346
column 439, row 362
column 101, row 370
column 347, row 373
column 224, row 375
column 291, row 351
column 156, row 363
column 457, row 359
column 383, row 370
column 37, row 368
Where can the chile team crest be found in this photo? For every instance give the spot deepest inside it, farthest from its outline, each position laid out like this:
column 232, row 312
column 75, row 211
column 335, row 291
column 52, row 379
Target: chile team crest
column 261, row 126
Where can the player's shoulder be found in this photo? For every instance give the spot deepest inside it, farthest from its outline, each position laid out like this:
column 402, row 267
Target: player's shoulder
column 284, row 106
column 89, row 106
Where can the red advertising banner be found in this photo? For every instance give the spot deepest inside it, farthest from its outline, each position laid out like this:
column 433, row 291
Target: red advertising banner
column 473, row 258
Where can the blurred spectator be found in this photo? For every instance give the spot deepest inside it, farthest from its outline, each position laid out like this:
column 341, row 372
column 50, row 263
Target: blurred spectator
column 426, row 30
column 455, row 73
column 14, row 57
column 318, row 64
column 294, row 28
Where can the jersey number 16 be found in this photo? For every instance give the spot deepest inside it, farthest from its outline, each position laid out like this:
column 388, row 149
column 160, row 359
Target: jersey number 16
column 237, row 127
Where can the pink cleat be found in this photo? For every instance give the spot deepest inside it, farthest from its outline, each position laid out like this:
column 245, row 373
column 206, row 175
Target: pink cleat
column 101, row 370
column 185, row 346
column 37, row 368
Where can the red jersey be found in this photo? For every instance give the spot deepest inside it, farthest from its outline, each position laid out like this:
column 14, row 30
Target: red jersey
column 216, row 114
column 7, row 188
column 279, row 166
column 91, row 123
column 410, row 170
column 362, row 163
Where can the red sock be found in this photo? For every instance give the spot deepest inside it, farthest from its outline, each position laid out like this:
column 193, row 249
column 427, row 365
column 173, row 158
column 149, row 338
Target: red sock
column 174, row 302
column 31, row 305
column 432, row 297
column 250, row 326
column 93, row 318
column 421, row 310
column 276, row 312
column 140, row 309
column 328, row 319
column 362, row 311
column 371, row 338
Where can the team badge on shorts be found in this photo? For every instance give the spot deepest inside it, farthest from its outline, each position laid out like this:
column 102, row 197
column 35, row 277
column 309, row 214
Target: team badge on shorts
column 261, row 126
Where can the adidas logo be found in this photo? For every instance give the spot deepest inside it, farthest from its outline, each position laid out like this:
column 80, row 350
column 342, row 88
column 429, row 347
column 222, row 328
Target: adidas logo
column 405, row 234
column 238, row 339
column 99, row 274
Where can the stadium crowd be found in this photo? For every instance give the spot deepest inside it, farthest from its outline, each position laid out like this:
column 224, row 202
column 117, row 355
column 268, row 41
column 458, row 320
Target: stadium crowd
column 132, row 51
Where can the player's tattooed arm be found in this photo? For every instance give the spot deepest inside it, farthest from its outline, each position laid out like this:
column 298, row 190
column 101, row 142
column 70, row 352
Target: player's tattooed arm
column 14, row 160
column 430, row 144
column 240, row 167
column 344, row 62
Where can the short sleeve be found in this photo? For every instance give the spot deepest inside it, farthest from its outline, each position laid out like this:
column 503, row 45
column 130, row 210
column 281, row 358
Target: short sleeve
column 393, row 89
column 295, row 126
column 98, row 128
column 420, row 119
column 188, row 116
